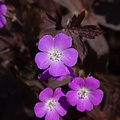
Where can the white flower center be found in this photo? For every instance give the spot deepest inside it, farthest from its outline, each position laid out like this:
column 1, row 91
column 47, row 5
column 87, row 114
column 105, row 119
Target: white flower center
column 84, row 92
column 51, row 104
column 55, row 55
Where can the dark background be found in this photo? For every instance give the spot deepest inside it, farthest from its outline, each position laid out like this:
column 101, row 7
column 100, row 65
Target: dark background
column 26, row 23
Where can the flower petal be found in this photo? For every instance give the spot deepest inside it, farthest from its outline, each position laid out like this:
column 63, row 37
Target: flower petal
column 72, row 74
column 96, row 96
column 69, row 72
column 46, row 43
column 72, row 97
column 84, row 104
column 46, row 94
column 40, row 109
column 45, row 75
column 2, row 21
column 52, row 115
column 69, row 56
column 3, row 8
column 92, row 83
column 57, row 68
column 58, row 93
column 62, row 41
column 76, row 83
column 60, row 110
column 64, row 103
column 42, row 60
column 60, row 78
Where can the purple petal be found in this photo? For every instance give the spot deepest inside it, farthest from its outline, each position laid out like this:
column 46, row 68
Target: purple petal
column 64, row 103
column 61, row 110
column 58, row 93
column 92, row 83
column 60, row 78
column 80, row 81
column 69, row 72
column 3, row 8
column 96, row 96
column 42, row 60
column 40, row 109
column 72, row 97
column 2, row 21
column 46, row 94
column 73, row 85
column 84, row 104
column 52, row 115
column 57, row 68
column 46, row 43
column 45, row 75
column 69, row 56
column 76, row 83
column 72, row 74
column 62, row 41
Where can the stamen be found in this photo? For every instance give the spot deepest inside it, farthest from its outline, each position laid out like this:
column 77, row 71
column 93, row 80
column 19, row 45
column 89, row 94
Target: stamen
column 55, row 55
column 83, row 93
column 51, row 104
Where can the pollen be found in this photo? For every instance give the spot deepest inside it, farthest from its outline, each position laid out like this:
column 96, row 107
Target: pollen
column 55, row 55
column 51, row 104
column 84, row 92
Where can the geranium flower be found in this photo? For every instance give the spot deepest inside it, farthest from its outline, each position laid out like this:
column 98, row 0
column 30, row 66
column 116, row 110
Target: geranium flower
column 52, row 105
column 46, row 75
column 55, row 54
column 3, row 11
column 84, row 93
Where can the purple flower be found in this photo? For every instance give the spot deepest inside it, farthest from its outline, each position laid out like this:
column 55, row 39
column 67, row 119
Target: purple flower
column 84, row 93
column 46, row 75
column 3, row 11
column 53, row 105
column 56, row 54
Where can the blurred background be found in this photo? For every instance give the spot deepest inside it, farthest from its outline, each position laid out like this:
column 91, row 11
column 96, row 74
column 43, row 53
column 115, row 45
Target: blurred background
column 26, row 23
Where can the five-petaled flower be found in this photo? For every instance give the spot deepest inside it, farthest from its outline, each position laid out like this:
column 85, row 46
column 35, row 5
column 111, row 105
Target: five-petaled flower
column 3, row 11
column 52, row 105
column 56, row 54
column 84, row 93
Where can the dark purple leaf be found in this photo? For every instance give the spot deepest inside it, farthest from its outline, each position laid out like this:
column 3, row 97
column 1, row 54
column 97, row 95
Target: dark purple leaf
column 50, row 17
column 90, row 31
column 80, row 46
column 76, row 20
column 57, row 19
column 77, row 31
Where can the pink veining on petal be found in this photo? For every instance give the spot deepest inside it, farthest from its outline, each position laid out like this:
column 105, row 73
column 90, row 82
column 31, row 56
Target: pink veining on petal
column 72, row 97
column 42, row 60
column 57, row 68
column 46, row 94
column 60, row 110
column 58, row 93
column 62, row 41
column 96, row 96
column 46, row 43
column 92, row 83
column 69, row 56
column 40, row 109
column 52, row 115
column 84, row 104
